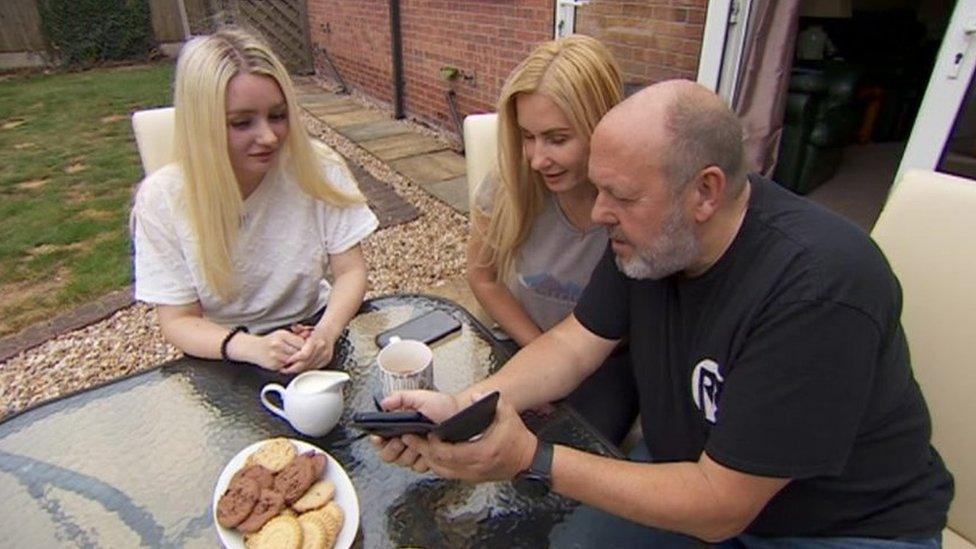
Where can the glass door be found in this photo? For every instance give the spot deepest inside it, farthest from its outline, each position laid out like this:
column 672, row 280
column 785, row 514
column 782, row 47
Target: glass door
column 944, row 135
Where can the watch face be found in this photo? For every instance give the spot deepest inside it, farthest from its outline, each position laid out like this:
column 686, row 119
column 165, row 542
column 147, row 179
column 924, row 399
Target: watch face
column 531, row 484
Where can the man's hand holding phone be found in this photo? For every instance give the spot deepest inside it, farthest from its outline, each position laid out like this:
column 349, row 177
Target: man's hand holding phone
column 505, row 447
column 435, row 406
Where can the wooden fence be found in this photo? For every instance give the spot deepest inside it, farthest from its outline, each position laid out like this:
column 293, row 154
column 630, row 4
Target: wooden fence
column 283, row 22
column 20, row 26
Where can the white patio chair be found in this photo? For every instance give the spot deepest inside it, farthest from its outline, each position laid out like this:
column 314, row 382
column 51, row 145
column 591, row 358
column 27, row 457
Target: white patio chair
column 154, row 137
column 480, row 147
column 927, row 231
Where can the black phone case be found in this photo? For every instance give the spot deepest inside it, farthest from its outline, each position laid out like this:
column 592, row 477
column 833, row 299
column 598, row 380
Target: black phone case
column 393, row 429
column 392, row 424
column 428, row 327
column 470, row 421
column 460, row 427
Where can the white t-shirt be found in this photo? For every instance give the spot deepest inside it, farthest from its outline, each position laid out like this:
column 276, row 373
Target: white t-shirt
column 282, row 252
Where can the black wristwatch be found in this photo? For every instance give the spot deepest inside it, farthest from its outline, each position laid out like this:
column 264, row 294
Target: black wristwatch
column 536, row 481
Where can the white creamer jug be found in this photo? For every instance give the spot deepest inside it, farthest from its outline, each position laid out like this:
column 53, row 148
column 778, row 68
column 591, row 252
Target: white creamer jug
column 312, row 402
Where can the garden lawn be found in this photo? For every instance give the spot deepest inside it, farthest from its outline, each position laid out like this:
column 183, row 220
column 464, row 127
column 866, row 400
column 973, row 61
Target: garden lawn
column 68, row 166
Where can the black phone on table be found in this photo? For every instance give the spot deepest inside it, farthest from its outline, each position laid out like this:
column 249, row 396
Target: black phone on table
column 462, row 426
column 428, row 327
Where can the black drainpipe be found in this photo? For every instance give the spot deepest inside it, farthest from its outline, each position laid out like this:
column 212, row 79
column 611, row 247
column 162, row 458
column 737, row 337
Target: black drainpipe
column 397, row 46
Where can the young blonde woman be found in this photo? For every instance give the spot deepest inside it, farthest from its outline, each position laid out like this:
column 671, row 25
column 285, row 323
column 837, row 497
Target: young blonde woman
column 532, row 244
column 233, row 240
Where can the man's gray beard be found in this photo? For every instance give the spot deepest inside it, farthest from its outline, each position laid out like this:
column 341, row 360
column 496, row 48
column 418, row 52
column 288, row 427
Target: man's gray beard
column 671, row 252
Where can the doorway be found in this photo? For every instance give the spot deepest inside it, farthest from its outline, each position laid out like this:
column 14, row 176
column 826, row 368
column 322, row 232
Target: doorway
column 886, row 48
column 861, row 74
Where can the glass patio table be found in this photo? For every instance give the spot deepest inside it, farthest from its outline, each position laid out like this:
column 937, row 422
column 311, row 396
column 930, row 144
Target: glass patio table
column 134, row 462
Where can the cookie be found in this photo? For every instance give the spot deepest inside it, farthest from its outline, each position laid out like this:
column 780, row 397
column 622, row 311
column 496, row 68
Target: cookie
column 315, row 534
column 332, row 515
column 258, row 473
column 317, row 496
column 295, row 479
column 237, row 502
column 269, row 504
column 318, row 460
column 274, row 455
column 279, row 533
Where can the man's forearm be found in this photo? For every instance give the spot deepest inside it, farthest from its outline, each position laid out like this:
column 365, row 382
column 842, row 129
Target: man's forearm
column 686, row 497
column 547, row 369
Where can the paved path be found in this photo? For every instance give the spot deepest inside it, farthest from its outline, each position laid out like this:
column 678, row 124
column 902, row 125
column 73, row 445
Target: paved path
column 430, row 163
column 427, row 161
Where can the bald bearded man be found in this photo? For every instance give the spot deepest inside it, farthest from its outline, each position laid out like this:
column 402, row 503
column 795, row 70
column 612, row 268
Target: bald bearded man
column 777, row 396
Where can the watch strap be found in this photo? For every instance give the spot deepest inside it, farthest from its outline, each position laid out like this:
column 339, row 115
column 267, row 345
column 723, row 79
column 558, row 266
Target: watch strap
column 542, row 460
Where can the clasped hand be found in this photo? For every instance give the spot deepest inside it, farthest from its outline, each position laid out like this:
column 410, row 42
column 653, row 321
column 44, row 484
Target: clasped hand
column 503, row 450
column 296, row 350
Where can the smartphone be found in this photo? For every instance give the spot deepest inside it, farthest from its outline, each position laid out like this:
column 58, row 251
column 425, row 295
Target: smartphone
column 469, row 422
column 428, row 327
column 462, row 426
column 392, row 424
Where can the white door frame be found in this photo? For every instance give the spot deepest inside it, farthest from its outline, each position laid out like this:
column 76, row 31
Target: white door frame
column 946, row 91
column 723, row 41
column 566, row 17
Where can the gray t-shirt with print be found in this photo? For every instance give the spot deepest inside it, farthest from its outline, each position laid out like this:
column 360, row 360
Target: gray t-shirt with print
column 554, row 263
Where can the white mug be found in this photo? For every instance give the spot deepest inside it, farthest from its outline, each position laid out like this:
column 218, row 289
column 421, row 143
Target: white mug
column 405, row 364
column 312, row 401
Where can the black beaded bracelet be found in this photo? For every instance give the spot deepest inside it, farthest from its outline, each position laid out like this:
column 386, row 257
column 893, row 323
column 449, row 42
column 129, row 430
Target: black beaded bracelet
column 226, row 342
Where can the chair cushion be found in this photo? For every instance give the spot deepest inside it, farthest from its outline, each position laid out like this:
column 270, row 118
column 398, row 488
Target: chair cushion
column 952, row 540
column 926, row 232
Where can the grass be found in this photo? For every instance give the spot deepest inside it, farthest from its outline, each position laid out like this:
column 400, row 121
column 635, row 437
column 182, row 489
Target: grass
column 68, row 163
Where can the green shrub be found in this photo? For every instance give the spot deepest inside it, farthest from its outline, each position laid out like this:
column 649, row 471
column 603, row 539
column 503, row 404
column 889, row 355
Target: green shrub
column 82, row 33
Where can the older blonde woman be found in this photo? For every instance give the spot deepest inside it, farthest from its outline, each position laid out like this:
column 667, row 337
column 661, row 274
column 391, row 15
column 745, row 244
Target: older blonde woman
column 234, row 238
column 532, row 244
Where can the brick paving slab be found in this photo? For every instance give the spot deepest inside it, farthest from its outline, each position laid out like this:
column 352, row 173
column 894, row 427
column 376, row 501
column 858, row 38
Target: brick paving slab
column 339, row 120
column 374, row 130
column 402, row 145
column 427, row 161
column 389, row 208
column 321, row 97
column 431, row 168
column 39, row 332
column 320, row 109
column 453, row 192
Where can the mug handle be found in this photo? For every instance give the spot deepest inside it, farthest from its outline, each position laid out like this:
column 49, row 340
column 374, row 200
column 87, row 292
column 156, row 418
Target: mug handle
column 273, row 387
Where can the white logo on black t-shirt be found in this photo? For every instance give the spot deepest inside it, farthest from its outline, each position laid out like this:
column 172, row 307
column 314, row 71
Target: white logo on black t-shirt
column 706, row 386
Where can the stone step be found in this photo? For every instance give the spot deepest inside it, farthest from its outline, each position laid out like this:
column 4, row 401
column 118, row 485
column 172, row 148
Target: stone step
column 427, row 161
column 402, row 145
column 374, row 130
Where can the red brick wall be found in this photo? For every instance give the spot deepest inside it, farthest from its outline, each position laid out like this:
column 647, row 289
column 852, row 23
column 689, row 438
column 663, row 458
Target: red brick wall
column 356, row 36
column 652, row 39
column 485, row 39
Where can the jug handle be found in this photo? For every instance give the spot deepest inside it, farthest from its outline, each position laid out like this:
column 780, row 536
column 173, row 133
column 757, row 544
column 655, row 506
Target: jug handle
column 273, row 387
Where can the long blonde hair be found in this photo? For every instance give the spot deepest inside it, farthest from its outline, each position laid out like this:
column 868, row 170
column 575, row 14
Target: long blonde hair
column 213, row 197
column 580, row 76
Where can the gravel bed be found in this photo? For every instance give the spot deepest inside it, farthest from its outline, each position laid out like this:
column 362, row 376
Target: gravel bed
column 403, row 258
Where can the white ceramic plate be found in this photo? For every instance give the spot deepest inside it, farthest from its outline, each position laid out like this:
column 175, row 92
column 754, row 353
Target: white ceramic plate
column 345, row 495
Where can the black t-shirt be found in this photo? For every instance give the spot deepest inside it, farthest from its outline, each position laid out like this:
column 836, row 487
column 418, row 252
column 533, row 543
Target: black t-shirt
column 785, row 359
